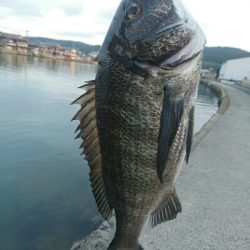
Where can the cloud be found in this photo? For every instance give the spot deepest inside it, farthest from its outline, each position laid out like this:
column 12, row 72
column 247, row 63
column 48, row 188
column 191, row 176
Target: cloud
column 40, row 8
column 5, row 12
column 81, row 20
column 22, row 8
column 83, row 35
column 224, row 22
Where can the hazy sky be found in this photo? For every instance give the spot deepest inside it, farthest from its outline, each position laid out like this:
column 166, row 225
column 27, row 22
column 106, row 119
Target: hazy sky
column 226, row 23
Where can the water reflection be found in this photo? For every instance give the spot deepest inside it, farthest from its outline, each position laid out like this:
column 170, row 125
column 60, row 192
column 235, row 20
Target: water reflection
column 46, row 201
column 44, row 187
column 16, row 62
column 207, row 105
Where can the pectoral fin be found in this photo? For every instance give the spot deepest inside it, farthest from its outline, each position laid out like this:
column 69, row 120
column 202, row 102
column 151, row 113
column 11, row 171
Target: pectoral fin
column 170, row 121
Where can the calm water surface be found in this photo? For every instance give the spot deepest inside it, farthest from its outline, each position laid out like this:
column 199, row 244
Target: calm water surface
column 45, row 197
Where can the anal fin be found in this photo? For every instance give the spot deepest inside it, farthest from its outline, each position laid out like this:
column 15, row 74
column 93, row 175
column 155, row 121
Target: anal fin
column 167, row 209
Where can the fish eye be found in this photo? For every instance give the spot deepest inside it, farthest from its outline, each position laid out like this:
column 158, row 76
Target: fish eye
column 133, row 11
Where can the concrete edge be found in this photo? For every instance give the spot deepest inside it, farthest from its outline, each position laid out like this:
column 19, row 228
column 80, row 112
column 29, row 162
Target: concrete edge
column 224, row 103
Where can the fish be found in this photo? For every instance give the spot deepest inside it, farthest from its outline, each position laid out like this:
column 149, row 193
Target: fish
column 137, row 115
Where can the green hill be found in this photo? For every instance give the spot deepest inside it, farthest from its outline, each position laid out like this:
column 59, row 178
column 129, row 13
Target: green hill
column 83, row 47
column 215, row 56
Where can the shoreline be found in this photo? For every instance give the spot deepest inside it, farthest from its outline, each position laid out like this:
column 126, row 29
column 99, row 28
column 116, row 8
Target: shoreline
column 56, row 58
column 224, row 103
column 100, row 238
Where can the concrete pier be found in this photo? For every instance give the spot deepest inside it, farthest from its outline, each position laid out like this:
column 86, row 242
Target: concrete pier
column 214, row 189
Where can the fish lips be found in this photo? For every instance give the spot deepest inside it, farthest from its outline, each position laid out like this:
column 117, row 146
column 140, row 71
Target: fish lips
column 169, row 27
column 185, row 57
column 188, row 52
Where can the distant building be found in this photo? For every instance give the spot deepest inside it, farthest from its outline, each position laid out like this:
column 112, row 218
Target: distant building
column 8, row 44
column 21, row 45
column 13, row 43
column 71, row 54
column 39, row 50
column 56, row 51
column 17, row 45
column 74, row 55
column 237, row 70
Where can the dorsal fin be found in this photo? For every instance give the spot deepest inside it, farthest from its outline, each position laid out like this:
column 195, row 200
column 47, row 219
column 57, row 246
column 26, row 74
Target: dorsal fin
column 167, row 209
column 88, row 132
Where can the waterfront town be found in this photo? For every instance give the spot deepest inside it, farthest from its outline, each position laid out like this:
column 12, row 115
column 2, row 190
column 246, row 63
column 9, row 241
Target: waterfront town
column 19, row 45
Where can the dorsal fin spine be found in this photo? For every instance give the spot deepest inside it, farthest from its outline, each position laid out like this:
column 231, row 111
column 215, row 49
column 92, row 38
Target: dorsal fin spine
column 89, row 133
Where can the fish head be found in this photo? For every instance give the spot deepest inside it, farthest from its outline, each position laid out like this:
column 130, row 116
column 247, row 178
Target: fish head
column 158, row 32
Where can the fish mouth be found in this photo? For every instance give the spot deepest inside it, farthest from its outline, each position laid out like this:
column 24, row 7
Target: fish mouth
column 170, row 27
column 162, row 69
column 187, row 53
column 167, row 65
column 181, row 59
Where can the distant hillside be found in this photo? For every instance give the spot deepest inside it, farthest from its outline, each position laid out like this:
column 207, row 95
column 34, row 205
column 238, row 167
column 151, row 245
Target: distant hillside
column 215, row 56
column 83, row 47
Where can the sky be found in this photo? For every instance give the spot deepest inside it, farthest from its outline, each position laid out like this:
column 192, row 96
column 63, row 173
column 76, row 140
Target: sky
column 225, row 22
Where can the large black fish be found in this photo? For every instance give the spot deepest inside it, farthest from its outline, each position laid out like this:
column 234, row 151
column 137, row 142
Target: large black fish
column 136, row 117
